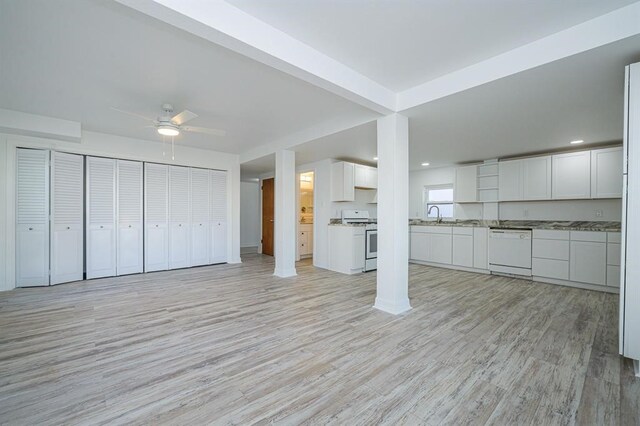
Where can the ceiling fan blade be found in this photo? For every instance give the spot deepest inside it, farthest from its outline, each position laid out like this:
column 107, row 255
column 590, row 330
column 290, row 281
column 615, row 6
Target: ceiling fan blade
column 133, row 114
column 183, row 117
column 215, row 132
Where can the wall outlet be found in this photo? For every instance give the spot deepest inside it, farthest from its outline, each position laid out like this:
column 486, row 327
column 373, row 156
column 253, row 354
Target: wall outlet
column 599, row 213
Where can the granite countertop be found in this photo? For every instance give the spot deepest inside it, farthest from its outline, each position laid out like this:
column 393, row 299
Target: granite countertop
column 531, row 224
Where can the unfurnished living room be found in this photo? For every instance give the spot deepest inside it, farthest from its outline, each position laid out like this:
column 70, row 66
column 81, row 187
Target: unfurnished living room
column 415, row 212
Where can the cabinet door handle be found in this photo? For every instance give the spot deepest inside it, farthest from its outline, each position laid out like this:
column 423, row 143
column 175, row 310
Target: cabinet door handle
column 68, row 227
column 129, row 226
column 101, row 226
column 30, row 229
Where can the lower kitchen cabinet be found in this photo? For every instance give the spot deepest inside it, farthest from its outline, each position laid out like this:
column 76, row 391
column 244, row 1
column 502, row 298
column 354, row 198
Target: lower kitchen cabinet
column 481, row 248
column 419, row 246
column 588, row 263
column 346, row 249
column 463, row 247
column 305, row 240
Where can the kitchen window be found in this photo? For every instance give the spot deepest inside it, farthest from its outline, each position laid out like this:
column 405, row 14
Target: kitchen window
column 441, row 196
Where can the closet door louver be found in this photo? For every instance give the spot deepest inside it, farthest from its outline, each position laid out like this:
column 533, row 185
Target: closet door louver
column 129, row 217
column 200, row 217
column 179, row 232
column 101, row 212
column 156, row 211
column 32, row 217
column 218, row 216
column 67, row 228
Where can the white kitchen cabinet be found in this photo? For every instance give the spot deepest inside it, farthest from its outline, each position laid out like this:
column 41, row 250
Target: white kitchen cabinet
column 588, row 263
column 101, row 217
column 440, row 245
column 419, row 246
column 606, row 173
column 571, row 175
column 156, row 217
column 342, row 181
column 32, row 217
column 510, row 180
column 465, row 188
column 130, row 242
column 550, row 268
column 305, row 239
column 613, row 259
column 462, row 247
column 550, row 254
column 365, row 177
column 200, row 204
column 536, row 178
column 67, row 228
column 480, row 248
column 346, row 249
column 218, row 218
column 179, row 217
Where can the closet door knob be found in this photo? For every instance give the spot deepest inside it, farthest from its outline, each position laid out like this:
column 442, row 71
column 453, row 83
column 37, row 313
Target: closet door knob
column 30, row 229
column 68, row 227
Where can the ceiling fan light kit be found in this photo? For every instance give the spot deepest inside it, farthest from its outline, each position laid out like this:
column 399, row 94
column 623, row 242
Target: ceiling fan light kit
column 168, row 130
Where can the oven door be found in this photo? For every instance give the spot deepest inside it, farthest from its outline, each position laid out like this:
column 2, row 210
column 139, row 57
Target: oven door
column 371, row 237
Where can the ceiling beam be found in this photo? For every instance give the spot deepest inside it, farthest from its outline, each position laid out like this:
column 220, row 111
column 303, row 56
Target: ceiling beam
column 302, row 137
column 605, row 29
column 230, row 27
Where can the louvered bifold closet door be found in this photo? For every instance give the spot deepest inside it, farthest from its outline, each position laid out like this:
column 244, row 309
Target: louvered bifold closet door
column 179, row 224
column 218, row 210
column 129, row 240
column 156, row 217
column 200, row 195
column 101, row 217
column 67, row 208
column 32, row 217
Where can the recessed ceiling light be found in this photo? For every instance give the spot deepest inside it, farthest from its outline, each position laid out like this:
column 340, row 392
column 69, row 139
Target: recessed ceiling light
column 375, row 158
column 576, row 142
column 425, row 164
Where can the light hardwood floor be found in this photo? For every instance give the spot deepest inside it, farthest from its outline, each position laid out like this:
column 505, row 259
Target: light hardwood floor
column 231, row 344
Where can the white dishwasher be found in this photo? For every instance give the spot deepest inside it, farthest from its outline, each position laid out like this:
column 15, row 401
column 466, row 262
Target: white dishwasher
column 510, row 251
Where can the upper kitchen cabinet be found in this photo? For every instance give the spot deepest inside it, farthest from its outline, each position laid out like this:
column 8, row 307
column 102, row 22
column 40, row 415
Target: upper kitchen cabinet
column 571, row 175
column 536, row 178
column 510, row 180
column 525, row 179
column 343, row 181
column 606, row 173
column 466, row 185
column 365, row 177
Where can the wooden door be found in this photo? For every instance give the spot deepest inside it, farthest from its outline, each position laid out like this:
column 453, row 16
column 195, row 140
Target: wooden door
column 267, row 216
column 129, row 239
column 218, row 218
column 156, row 217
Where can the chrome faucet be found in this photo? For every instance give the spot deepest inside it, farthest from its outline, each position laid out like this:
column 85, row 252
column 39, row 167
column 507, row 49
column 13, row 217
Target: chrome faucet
column 439, row 218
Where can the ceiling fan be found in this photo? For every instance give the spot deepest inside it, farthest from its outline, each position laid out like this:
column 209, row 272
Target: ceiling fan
column 170, row 124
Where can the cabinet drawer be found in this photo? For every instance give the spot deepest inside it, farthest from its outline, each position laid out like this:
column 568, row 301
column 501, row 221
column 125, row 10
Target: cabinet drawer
column 462, row 230
column 613, row 276
column 550, row 234
column 594, row 236
column 613, row 254
column 614, row 237
column 550, row 268
column 551, row 249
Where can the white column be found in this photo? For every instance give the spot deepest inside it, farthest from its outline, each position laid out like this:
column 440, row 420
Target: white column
column 393, row 214
column 233, row 214
column 285, row 214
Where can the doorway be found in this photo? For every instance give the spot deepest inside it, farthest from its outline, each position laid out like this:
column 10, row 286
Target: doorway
column 267, row 215
column 305, row 215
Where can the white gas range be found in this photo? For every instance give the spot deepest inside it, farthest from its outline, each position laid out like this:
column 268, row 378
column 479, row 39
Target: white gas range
column 357, row 217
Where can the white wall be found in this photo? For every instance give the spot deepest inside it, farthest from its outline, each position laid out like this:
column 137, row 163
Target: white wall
column 109, row 146
column 437, row 176
column 249, row 214
column 363, row 198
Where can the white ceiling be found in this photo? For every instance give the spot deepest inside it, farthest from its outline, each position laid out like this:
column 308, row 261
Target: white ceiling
column 401, row 44
column 580, row 97
column 74, row 59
